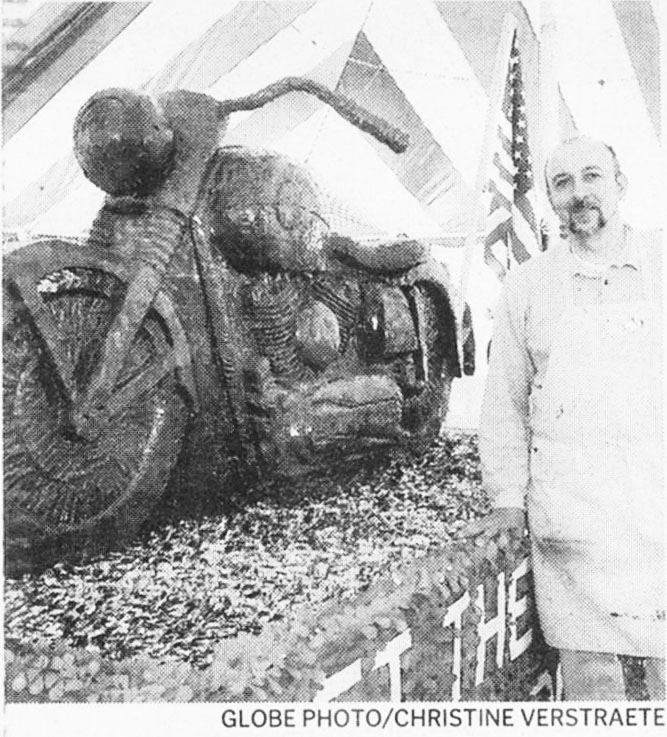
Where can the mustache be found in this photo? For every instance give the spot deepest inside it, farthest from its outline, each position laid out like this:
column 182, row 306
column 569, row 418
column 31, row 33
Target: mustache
column 579, row 204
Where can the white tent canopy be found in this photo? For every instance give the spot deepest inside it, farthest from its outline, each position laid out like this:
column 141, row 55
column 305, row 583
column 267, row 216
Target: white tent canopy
column 421, row 54
column 427, row 67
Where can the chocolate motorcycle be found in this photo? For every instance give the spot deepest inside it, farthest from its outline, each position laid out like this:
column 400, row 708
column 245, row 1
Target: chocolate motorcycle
column 210, row 330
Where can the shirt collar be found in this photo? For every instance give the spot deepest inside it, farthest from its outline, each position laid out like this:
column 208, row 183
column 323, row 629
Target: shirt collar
column 629, row 256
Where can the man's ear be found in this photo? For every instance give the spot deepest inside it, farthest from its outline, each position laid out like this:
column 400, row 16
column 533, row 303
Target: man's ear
column 622, row 183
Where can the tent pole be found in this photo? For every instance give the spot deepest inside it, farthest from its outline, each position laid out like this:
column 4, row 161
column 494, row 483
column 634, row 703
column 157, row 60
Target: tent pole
column 550, row 127
column 549, row 96
column 493, row 111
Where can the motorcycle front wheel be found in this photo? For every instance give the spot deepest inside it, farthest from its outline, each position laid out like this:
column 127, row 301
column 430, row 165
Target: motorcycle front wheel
column 68, row 492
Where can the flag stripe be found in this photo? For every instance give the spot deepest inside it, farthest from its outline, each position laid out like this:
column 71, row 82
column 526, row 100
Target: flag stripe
column 499, row 233
column 499, row 215
column 504, row 168
column 525, row 207
column 505, row 130
column 522, row 239
column 492, row 260
column 501, row 199
column 512, row 234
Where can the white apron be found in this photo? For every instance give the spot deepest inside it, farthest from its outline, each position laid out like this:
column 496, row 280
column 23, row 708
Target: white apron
column 595, row 502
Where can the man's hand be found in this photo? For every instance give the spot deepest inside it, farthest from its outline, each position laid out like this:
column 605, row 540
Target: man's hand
column 501, row 519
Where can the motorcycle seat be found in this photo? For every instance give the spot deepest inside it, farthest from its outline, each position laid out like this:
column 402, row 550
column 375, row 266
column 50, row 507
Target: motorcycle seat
column 383, row 258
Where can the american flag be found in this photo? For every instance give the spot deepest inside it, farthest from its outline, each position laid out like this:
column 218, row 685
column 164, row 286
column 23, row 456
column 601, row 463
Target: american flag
column 512, row 233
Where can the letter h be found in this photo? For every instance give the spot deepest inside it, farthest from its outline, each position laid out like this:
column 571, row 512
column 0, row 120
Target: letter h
column 488, row 629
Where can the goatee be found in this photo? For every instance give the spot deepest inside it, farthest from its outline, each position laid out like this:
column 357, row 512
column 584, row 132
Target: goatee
column 587, row 225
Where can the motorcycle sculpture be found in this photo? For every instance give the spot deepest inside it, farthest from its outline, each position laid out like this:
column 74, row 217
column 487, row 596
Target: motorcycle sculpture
column 210, row 328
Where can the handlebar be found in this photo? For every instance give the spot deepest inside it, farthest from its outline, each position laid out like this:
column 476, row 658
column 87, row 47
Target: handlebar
column 126, row 145
column 354, row 113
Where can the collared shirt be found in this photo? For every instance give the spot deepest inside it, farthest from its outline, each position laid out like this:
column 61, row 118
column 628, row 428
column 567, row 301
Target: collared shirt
column 618, row 280
column 628, row 256
column 529, row 309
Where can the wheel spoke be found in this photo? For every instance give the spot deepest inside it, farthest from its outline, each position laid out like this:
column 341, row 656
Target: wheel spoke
column 128, row 395
column 45, row 327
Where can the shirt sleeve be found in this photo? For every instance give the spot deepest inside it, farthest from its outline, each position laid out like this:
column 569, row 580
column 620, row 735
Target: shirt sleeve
column 504, row 433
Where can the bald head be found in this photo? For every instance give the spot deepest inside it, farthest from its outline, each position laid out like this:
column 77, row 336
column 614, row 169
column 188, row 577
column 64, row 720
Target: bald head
column 584, row 184
column 582, row 146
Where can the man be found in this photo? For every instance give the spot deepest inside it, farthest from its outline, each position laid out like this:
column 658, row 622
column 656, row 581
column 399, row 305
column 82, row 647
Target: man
column 571, row 428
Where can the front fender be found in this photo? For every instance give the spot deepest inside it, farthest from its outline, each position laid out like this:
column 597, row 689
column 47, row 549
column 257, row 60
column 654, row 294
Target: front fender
column 47, row 256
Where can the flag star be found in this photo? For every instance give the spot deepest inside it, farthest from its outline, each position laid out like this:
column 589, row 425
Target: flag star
column 522, row 124
column 519, row 138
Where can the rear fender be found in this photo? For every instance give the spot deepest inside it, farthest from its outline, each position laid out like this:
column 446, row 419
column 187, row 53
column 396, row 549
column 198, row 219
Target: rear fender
column 435, row 274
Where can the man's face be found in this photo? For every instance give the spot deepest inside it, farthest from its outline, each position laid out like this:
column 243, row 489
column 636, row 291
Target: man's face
column 584, row 187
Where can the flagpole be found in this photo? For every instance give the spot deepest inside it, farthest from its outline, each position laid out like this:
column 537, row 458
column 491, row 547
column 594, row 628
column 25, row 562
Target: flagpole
column 493, row 112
